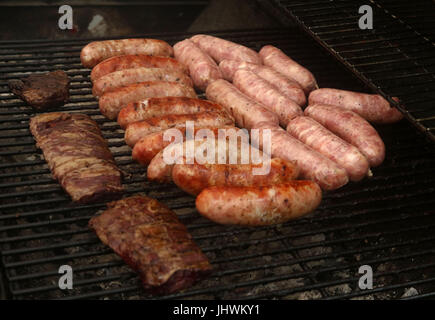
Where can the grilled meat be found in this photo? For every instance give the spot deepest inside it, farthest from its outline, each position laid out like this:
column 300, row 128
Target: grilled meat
column 151, row 239
column 78, row 156
column 42, row 91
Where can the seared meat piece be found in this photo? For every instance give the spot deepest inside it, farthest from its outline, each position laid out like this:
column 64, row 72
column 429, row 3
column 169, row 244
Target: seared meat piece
column 78, row 156
column 42, row 91
column 151, row 239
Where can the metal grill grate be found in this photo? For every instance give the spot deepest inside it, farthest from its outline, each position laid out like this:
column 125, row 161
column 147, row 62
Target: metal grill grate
column 396, row 58
column 384, row 222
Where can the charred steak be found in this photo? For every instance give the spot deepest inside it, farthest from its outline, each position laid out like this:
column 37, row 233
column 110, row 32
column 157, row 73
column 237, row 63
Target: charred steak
column 78, row 156
column 151, row 239
column 42, row 91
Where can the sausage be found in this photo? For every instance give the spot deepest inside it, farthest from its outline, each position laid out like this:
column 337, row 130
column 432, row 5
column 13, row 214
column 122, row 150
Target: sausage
column 372, row 107
column 352, row 128
column 289, row 88
column 97, row 51
column 245, row 111
column 265, row 93
column 125, row 77
column 259, row 206
column 133, row 61
column 325, row 142
column 193, row 178
column 137, row 130
column 160, row 169
column 313, row 165
column 147, row 147
column 220, row 49
column 202, row 68
column 278, row 60
column 112, row 102
column 154, row 107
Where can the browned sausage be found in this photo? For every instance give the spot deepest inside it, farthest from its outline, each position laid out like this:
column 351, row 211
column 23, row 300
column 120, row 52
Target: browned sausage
column 97, row 51
column 278, row 60
column 313, row 165
column 372, row 107
column 350, row 127
column 126, row 77
column 137, row 130
column 259, row 206
column 220, row 49
column 147, row 147
column 289, row 88
column 112, row 102
column 133, row 61
column 155, row 107
column 160, row 167
column 245, row 111
column 262, row 91
column 202, row 68
column 324, row 141
column 193, row 178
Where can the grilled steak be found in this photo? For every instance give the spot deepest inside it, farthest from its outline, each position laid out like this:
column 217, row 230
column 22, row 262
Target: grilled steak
column 151, row 239
column 42, row 91
column 78, row 156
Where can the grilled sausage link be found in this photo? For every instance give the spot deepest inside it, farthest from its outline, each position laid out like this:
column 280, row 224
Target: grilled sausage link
column 259, row 206
column 372, row 107
column 202, row 68
column 133, row 61
column 95, row 52
column 149, row 146
column 160, row 169
column 220, row 49
column 278, row 60
column 313, row 165
column 193, row 178
column 123, row 78
column 350, row 127
column 289, row 88
column 260, row 90
column 245, row 111
column 112, row 102
column 137, row 130
column 155, row 107
column 325, row 142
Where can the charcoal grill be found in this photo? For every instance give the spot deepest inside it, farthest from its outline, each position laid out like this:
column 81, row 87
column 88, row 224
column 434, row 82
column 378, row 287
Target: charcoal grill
column 386, row 222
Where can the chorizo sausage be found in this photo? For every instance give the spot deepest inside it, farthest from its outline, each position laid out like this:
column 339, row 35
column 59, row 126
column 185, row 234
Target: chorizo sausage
column 193, row 178
column 259, row 206
column 97, row 51
column 133, row 61
column 154, row 107
column 126, row 77
column 137, row 130
column 147, row 147
column 112, row 102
